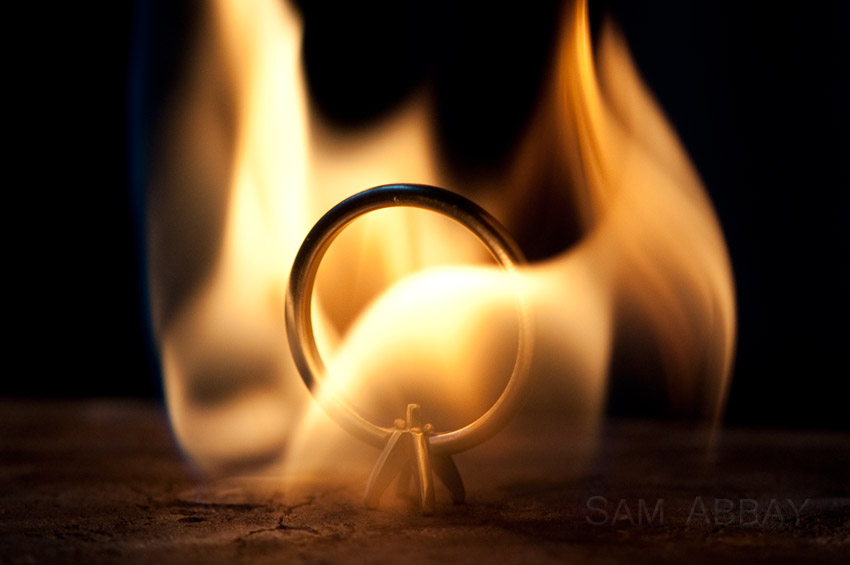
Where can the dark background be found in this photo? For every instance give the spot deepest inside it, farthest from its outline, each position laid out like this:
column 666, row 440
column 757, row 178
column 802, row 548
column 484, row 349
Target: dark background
column 757, row 92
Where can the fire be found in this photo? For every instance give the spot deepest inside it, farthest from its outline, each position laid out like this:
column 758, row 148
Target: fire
column 407, row 309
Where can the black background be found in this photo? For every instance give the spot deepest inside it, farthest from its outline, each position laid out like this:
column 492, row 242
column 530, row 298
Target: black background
column 757, row 91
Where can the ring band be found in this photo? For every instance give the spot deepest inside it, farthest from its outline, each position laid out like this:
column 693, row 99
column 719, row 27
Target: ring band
column 299, row 325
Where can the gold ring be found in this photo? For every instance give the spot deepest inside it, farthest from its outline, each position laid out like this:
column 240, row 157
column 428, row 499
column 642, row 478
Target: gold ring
column 299, row 324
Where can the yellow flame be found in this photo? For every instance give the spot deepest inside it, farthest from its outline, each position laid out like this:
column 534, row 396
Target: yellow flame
column 245, row 189
column 228, row 377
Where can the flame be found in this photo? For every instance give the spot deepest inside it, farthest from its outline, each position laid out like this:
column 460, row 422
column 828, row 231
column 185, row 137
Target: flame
column 247, row 168
column 225, row 224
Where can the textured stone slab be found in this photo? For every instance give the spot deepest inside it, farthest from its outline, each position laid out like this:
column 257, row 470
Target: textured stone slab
column 102, row 481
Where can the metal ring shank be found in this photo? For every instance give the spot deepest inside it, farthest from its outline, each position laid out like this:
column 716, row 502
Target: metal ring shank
column 299, row 324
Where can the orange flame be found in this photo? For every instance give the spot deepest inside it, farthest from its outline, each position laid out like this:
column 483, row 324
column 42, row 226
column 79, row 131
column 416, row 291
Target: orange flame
column 247, row 169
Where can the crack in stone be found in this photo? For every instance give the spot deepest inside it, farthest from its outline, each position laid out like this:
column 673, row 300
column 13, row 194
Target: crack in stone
column 288, row 509
column 283, row 527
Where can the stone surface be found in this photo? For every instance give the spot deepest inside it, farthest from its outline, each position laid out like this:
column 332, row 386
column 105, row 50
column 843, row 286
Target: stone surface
column 102, row 481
